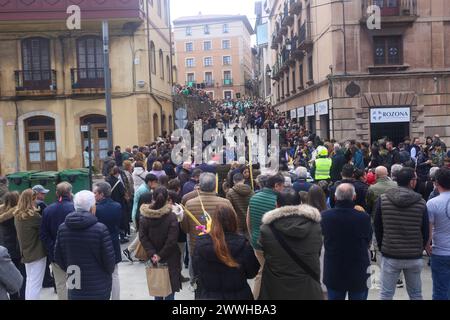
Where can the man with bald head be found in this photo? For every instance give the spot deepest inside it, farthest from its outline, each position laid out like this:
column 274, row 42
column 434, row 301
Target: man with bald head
column 383, row 184
column 347, row 234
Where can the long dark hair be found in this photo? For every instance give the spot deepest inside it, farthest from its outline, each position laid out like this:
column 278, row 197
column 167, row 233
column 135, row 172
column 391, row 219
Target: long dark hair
column 145, row 198
column 223, row 221
column 160, row 197
column 316, row 198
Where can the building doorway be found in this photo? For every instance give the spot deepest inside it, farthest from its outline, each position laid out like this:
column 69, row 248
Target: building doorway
column 41, row 144
column 99, row 139
column 325, row 127
column 312, row 124
column 391, row 123
column 395, row 131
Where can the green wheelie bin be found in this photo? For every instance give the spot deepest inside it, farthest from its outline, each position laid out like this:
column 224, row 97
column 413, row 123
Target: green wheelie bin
column 19, row 181
column 78, row 178
column 49, row 180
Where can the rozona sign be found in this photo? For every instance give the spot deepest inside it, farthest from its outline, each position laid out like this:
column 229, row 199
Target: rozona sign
column 389, row 115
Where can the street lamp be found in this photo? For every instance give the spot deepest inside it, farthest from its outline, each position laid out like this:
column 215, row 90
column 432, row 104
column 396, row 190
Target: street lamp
column 268, row 71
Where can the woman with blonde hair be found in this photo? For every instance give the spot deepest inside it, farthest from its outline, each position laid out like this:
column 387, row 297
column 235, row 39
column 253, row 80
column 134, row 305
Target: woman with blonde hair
column 28, row 222
column 224, row 260
column 8, row 236
column 157, row 169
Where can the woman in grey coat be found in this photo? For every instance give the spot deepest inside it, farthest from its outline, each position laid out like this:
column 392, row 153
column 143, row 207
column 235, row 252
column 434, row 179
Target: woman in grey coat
column 10, row 277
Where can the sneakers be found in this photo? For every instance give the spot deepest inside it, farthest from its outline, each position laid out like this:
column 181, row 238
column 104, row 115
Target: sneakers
column 127, row 254
column 124, row 240
column 400, row 283
column 373, row 256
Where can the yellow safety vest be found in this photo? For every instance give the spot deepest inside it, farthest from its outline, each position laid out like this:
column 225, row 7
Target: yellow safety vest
column 323, row 166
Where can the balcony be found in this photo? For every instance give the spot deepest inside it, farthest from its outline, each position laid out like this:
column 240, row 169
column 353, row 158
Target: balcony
column 288, row 20
column 87, row 80
column 38, row 10
column 35, row 82
column 305, row 42
column 394, row 13
column 274, row 44
column 209, row 84
column 295, row 7
column 296, row 53
column 276, row 71
column 227, row 82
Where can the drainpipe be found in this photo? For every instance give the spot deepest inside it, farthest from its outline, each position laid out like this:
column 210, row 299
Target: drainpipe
column 17, row 137
column 150, row 66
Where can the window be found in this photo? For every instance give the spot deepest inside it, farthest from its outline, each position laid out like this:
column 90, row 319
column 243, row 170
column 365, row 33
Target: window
column 208, row 78
column 166, row 12
column 293, row 82
column 226, row 44
column 388, row 7
column 190, row 62
column 282, row 89
column 188, row 31
column 208, row 62
column 227, row 75
column 388, row 50
column 228, row 95
column 287, row 86
column 90, row 58
column 152, row 58
column 206, row 29
column 310, row 68
column 301, row 76
column 207, row 45
column 161, row 63
column 189, row 47
column 36, row 59
column 227, row 60
column 190, row 77
column 159, row 8
column 168, row 69
column 225, row 28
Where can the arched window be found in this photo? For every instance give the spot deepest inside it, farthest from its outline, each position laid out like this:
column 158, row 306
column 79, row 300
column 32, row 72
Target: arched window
column 170, row 124
column 161, row 63
column 155, row 127
column 168, row 68
column 152, row 58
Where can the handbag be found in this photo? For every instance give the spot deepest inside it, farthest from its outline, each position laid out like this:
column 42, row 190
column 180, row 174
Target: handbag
column 294, row 256
column 140, row 252
column 158, row 280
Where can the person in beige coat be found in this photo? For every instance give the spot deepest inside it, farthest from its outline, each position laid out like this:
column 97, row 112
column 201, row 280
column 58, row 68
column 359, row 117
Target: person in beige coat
column 28, row 222
column 207, row 196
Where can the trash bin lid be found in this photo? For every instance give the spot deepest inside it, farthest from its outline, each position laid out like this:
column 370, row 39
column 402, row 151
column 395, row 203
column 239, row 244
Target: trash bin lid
column 51, row 175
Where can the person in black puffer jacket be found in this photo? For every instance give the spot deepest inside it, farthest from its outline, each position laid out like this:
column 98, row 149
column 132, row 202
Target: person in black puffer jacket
column 84, row 242
column 223, row 260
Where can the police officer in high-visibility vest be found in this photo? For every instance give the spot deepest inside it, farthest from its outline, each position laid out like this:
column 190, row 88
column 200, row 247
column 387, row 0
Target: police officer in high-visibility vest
column 322, row 165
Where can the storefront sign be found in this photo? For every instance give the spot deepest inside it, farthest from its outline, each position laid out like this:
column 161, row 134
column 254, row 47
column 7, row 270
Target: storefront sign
column 322, row 107
column 390, row 115
column 310, row 110
column 301, row 112
column 294, row 114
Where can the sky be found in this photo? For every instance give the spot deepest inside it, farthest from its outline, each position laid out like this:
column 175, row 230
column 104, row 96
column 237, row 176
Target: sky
column 180, row 8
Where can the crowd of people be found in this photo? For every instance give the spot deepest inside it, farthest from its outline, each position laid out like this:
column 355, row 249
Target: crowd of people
column 311, row 230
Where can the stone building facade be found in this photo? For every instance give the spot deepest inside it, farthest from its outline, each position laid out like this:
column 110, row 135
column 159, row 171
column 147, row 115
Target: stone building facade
column 52, row 80
column 348, row 79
